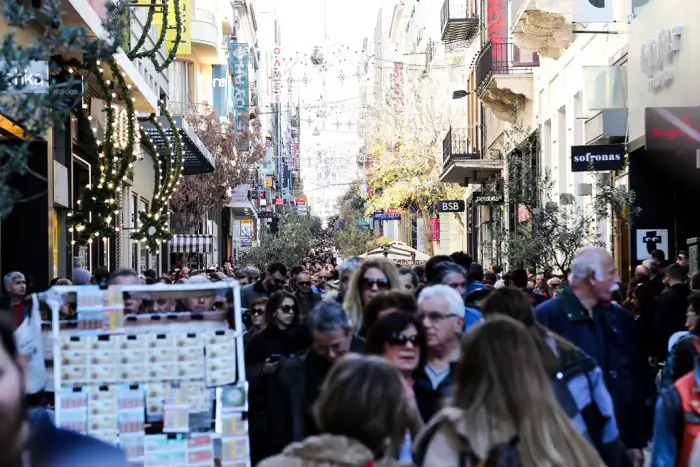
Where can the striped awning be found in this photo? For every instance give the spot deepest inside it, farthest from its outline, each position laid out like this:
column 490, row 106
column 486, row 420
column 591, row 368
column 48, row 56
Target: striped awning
column 191, row 244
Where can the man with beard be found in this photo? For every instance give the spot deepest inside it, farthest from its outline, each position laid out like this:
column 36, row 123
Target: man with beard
column 332, row 337
column 30, row 439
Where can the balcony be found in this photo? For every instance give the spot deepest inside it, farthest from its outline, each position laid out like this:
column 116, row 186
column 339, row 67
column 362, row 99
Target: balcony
column 462, row 163
column 206, row 36
column 504, row 78
column 544, row 27
column 459, row 21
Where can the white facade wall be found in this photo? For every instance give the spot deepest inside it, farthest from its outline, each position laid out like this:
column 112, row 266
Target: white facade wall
column 651, row 19
column 559, row 104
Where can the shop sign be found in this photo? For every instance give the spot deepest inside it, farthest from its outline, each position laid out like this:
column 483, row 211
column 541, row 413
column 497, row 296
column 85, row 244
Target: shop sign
column 454, row 205
column 649, row 240
column 599, row 157
column 279, row 201
column 657, row 58
column 34, row 79
column 386, row 216
column 672, row 128
column 523, row 213
column 265, row 214
column 488, row 199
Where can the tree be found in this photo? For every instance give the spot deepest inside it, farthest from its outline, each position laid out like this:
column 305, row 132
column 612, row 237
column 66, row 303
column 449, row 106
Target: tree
column 197, row 194
column 548, row 231
column 353, row 239
column 404, row 151
column 289, row 245
column 37, row 113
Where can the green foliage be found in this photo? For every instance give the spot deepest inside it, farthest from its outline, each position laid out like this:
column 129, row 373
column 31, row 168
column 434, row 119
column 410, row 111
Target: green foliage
column 555, row 230
column 353, row 239
column 289, row 245
column 38, row 113
column 315, row 225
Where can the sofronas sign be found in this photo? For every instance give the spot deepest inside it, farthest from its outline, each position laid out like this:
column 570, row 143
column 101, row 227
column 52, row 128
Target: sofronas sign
column 596, row 158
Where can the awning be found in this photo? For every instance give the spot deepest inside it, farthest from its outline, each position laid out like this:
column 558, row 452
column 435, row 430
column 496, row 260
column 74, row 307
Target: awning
column 191, row 244
column 398, row 252
column 198, row 159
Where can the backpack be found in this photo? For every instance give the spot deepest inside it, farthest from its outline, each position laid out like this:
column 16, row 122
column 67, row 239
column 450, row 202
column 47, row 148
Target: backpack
column 501, row 455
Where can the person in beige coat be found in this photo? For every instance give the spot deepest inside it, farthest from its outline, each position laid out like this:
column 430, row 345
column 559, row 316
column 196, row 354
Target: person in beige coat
column 503, row 409
column 362, row 413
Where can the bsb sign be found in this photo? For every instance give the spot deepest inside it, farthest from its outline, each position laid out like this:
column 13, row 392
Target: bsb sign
column 597, row 157
column 456, row 205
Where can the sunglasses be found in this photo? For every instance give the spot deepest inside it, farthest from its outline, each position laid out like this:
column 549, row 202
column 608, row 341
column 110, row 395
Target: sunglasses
column 457, row 285
column 304, row 283
column 257, row 312
column 401, row 339
column 368, row 284
column 288, row 309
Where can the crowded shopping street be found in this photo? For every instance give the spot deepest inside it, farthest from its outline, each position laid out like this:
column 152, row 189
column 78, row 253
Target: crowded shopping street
column 377, row 233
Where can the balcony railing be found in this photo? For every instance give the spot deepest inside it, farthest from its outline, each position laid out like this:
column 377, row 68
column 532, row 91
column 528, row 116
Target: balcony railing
column 459, row 20
column 457, row 145
column 503, row 58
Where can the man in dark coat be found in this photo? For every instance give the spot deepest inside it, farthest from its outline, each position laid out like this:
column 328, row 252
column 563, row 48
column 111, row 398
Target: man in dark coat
column 584, row 314
column 670, row 310
column 332, row 337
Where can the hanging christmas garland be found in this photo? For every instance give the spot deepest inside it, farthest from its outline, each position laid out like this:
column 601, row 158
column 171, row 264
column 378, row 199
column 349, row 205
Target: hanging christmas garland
column 152, row 53
column 99, row 205
column 146, row 31
column 176, row 43
column 154, row 228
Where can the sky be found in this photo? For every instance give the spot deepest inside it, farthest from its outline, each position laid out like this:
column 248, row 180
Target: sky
column 328, row 97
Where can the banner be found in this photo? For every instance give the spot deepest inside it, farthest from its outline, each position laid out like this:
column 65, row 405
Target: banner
column 277, row 74
column 185, row 47
column 435, row 225
column 593, row 11
column 238, row 60
column 220, row 86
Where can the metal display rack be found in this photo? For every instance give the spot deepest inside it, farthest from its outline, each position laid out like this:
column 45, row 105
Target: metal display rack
column 167, row 385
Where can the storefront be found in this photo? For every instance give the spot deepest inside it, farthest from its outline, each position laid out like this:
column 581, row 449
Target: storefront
column 664, row 131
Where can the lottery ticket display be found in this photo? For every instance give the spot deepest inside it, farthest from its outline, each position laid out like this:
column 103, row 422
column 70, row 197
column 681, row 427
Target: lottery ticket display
column 167, row 388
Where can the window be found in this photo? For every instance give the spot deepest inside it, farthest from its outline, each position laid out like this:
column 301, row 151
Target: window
column 143, row 253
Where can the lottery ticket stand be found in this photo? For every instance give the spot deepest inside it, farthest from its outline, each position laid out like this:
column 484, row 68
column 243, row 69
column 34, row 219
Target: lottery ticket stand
column 156, row 369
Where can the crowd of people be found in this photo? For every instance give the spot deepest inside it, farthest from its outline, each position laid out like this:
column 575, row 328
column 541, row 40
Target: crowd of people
column 369, row 363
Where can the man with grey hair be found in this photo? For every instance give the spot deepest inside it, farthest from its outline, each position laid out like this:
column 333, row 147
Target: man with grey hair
column 585, row 314
column 16, row 288
column 441, row 309
column 332, row 337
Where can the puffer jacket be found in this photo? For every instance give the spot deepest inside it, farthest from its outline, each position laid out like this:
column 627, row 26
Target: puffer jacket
column 327, row 451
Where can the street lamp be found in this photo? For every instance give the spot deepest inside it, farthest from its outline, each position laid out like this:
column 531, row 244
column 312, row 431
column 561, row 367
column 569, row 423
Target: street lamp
column 460, row 94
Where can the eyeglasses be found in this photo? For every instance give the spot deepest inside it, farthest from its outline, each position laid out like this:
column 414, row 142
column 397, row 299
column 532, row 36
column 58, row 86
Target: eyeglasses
column 401, row 339
column 304, row 284
column 257, row 312
column 368, row 284
column 434, row 316
column 288, row 309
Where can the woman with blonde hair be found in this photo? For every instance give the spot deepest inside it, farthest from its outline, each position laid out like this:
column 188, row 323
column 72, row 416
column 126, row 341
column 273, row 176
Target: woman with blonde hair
column 374, row 276
column 361, row 415
column 503, row 411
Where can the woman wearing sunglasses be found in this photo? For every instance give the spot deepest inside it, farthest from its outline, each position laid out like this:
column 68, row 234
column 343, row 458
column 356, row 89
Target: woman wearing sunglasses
column 401, row 339
column 270, row 415
column 370, row 279
column 257, row 319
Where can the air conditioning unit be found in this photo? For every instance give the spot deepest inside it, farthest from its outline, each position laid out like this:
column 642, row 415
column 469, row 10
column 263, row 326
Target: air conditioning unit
column 584, row 189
